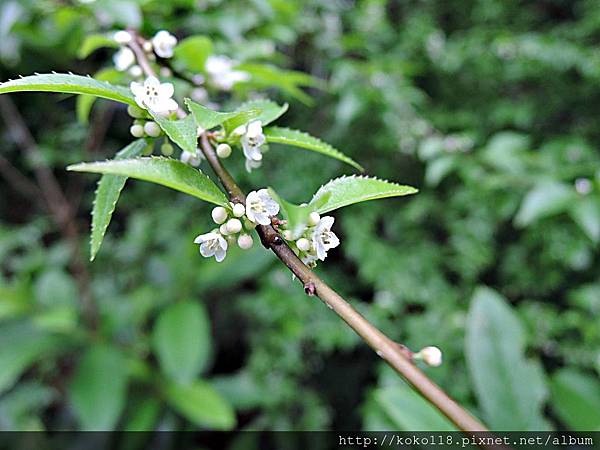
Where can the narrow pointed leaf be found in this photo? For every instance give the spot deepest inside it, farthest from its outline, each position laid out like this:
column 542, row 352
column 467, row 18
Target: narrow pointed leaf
column 107, row 195
column 304, row 140
column 164, row 171
column 346, row 191
column 68, row 84
column 207, row 118
column 269, row 111
column 182, row 132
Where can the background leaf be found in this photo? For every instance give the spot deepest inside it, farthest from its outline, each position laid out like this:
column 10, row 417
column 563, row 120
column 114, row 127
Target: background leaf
column 511, row 390
column 167, row 172
column 181, row 340
column 191, row 53
column 545, row 199
column 269, row 110
column 301, row 139
column 576, row 399
column 348, row 190
column 98, row 388
column 106, row 197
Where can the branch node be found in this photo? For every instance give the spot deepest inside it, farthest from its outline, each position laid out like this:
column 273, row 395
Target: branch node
column 310, row 289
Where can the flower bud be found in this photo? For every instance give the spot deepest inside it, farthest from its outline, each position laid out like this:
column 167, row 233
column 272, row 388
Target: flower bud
column 122, row 37
column 245, row 241
column 136, row 71
column 303, row 244
column 152, row 129
column 287, row 235
column 223, row 229
column 166, row 149
column 239, row 130
column 219, row 214
column 147, row 46
column 239, row 210
column 432, row 356
column 165, row 72
column 234, row 226
column 135, row 111
column 137, row 131
column 314, row 218
column 223, row 151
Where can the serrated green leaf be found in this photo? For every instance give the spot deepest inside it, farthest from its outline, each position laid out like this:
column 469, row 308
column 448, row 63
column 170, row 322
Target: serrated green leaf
column 240, row 118
column 98, row 389
column 93, row 42
column 84, row 103
column 191, row 53
column 348, row 190
column 207, row 118
column 510, row 388
column 107, row 195
column 295, row 215
column 68, row 84
column 201, row 404
column 164, row 171
column 301, row 139
column 269, row 110
column 181, row 340
column 183, row 131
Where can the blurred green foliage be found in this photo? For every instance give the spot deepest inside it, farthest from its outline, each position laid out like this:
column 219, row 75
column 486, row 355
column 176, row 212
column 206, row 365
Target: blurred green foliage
column 488, row 106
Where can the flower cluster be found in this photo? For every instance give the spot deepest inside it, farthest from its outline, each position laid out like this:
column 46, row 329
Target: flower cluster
column 235, row 224
column 162, row 45
column 316, row 240
column 253, row 142
column 221, row 71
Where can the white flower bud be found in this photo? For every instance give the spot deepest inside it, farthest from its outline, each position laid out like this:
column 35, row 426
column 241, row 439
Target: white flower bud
column 219, row 215
column 122, row 37
column 166, row 149
column 303, row 244
column 239, row 210
column 432, row 356
column 314, row 218
column 152, row 129
column 136, row 71
column 287, row 235
column 137, row 131
column 147, row 46
column 223, row 151
column 234, row 226
column 165, row 72
column 239, row 130
column 223, row 229
column 245, row 241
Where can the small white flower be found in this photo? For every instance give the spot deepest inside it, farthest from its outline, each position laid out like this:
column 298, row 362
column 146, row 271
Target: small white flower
column 432, row 356
column 251, row 140
column 212, row 244
column 323, row 238
column 154, row 95
column 245, row 241
column 260, row 206
column 123, row 59
column 164, row 43
column 191, row 159
column 219, row 215
column 122, row 37
column 220, row 69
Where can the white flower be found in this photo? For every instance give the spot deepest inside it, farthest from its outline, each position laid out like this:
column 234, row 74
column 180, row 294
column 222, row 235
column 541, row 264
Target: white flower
column 122, row 37
column 154, row 95
column 191, row 159
column 323, row 238
column 123, row 59
column 432, row 356
column 251, row 140
column 251, row 165
column 212, row 244
column 164, row 43
column 220, row 69
column 260, row 206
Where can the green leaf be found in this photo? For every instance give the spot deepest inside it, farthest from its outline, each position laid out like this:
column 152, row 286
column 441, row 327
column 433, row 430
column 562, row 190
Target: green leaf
column 269, row 111
column 183, row 131
column 201, row 404
column 21, row 345
column 207, row 118
column 545, row 199
column 68, row 84
column 107, row 195
column 181, row 340
column 93, row 42
column 295, row 215
column 586, row 213
column 98, row 389
column 84, row 103
column 346, row 191
column 191, row 53
column 510, row 389
column 164, row 171
column 576, row 399
column 301, row 139
column 406, row 410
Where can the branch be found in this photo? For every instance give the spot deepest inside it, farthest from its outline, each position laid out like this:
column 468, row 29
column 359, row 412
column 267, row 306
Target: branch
column 396, row 355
